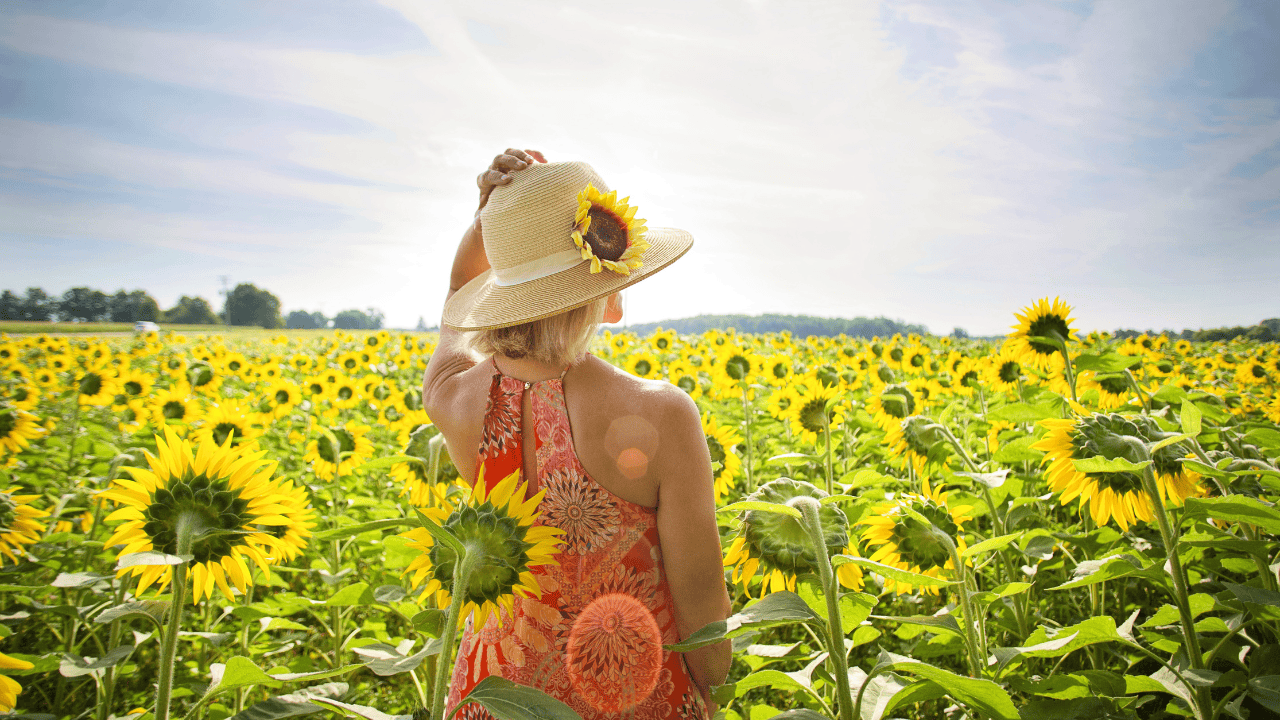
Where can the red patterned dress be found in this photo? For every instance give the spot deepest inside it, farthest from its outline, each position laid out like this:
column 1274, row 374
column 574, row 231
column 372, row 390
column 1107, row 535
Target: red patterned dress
column 610, row 546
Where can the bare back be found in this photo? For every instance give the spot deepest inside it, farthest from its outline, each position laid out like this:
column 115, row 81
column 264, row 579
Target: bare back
column 617, row 422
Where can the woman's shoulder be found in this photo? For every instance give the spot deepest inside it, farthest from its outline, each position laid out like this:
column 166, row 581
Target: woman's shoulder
column 619, row 393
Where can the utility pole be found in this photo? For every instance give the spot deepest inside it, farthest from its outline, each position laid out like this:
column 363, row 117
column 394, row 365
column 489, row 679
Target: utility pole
column 226, row 300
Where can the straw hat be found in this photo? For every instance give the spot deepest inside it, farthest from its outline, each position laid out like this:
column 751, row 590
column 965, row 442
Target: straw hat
column 541, row 233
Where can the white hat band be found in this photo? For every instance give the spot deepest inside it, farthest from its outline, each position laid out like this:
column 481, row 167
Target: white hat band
column 537, row 269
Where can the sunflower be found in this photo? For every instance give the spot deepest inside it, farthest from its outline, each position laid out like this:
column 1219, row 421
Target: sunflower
column 779, row 544
column 1113, row 390
column 500, row 526
column 281, row 397
column 892, row 405
column 1118, row 495
column 806, row 413
column 1004, row 370
column 96, row 387
column 174, row 405
column 780, row 401
column 644, row 364
column 345, row 393
column 326, row 461
column 9, row 688
column 721, row 441
column 25, row 396
column 608, row 232
column 906, row 543
column 224, row 494
column 1046, row 320
column 663, row 340
column 684, row 376
column 18, row 524
column 230, row 420
column 132, row 385
column 237, row 364
column 1252, row 372
column 17, row 428
column 916, row 441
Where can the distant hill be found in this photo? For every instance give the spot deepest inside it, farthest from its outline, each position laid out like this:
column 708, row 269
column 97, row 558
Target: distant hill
column 799, row 325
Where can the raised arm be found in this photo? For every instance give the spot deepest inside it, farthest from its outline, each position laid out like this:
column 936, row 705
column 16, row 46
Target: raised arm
column 690, row 539
column 450, row 357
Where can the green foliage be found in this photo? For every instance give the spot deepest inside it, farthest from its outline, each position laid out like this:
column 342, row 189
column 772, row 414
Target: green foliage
column 798, row 325
column 248, row 304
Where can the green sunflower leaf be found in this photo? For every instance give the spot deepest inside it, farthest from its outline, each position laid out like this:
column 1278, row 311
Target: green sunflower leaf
column 893, row 573
column 342, row 533
column 151, row 610
column 1191, row 418
column 986, row 697
column 390, row 460
column 151, row 558
column 1018, row 413
column 1235, row 508
column 937, row 623
column 1103, row 465
column 441, row 534
column 506, row 700
column 363, row 711
column 762, row 506
column 1169, row 441
column 1111, row 567
column 778, row 608
column 1106, row 362
column 292, row 704
column 991, row 544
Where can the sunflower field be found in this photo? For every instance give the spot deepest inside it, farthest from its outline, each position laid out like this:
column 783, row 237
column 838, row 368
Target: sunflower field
column 1057, row 525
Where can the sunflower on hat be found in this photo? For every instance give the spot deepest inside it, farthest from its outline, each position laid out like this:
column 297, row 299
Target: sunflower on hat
column 608, row 232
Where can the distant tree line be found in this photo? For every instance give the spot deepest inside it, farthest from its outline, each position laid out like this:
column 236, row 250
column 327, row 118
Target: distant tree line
column 246, row 305
column 1266, row 331
column 798, row 325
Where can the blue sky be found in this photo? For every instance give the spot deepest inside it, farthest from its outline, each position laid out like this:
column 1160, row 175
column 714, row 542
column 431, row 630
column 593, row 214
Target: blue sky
column 943, row 163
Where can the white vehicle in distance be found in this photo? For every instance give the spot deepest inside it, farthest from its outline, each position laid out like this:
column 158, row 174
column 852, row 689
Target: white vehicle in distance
column 145, row 326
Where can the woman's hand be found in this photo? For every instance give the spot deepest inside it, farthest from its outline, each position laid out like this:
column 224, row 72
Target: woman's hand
column 499, row 172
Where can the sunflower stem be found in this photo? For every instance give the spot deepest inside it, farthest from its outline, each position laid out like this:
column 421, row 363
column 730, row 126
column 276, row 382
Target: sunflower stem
column 461, row 581
column 746, row 421
column 109, row 677
column 1133, row 383
column 75, row 426
column 835, row 632
column 1066, row 365
column 1168, row 534
column 977, row 653
column 185, row 527
column 826, row 433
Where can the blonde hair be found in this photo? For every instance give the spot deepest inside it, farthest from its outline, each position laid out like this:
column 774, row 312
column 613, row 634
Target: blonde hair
column 558, row 340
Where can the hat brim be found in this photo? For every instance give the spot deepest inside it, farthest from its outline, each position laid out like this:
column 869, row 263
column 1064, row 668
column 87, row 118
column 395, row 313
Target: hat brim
column 483, row 305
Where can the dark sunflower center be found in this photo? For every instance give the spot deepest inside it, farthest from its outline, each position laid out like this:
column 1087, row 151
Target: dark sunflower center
column 1257, row 370
column 917, row 361
column 877, row 349
column 223, row 430
column 21, row 394
column 350, row 363
column 371, row 341
column 392, row 414
column 345, row 393
column 812, row 414
column 1114, row 385
column 1164, row 366
column 1050, row 326
column 133, row 387
column 737, row 367
column 898, row 401
column 501, row 540
column 643, row 367
column 828, row 376
column 607, row 235
column 219, row 511
column 1009, row 371
column 969, row 379
column 412, row 400
column 382, row 392
column 896, row 354
column 282, row 396
column 7, row 424
column 174, row 363
column 662, row 343
column 316, row 388
column 687, row 383
column 346, row 443
column 234, row 366
column 716, row 450
column 174, row 410
column 884, row 373
column 91, row 384
column 201, row 375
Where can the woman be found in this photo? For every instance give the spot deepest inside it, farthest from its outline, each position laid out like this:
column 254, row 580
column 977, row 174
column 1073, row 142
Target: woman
column 623, row 461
